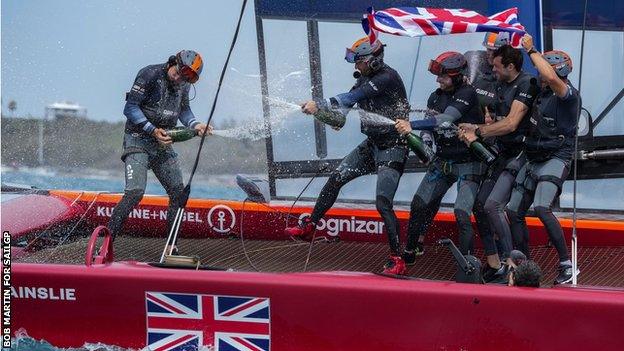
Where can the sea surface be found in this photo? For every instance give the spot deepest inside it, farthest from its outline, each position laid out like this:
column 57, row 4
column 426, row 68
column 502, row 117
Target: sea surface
column 205, row 187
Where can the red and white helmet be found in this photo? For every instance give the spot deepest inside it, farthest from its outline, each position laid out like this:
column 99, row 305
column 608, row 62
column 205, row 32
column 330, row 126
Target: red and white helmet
column 450, row 62
column 560, row 62
column 190, row 65
column 362, row 49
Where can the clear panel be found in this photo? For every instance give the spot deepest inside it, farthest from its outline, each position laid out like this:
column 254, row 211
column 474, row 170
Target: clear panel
column 288, row 74
column 402, row 54
column 605, row 194
column 362, row 188
column 603, row 73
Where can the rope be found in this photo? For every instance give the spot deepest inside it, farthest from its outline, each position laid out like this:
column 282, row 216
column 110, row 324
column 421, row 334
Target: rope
column 187, row 189
column 574, row 237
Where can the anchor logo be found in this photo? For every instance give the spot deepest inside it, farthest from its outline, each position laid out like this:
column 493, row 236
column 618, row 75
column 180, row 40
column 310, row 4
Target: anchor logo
column 221, row 226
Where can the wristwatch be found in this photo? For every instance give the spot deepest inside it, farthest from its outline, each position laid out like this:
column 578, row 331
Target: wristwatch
column 532, row 51
column 478, row 131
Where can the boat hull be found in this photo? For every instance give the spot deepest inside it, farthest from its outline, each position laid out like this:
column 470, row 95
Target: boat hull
column 320, row 311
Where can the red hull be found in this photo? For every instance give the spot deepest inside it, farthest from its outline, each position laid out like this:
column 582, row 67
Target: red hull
column 317, row 311
column 218, row 218
column 326, row 311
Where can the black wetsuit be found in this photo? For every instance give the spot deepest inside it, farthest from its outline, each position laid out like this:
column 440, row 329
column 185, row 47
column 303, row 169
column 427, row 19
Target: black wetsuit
column 383, row 151
column 454, row 163
column 549, row 147
column 496, row 189
column 153, row 102
column 483, row 79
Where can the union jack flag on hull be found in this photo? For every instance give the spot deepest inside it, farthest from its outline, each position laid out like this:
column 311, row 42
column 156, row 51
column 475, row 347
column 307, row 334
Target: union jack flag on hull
column 188, row 322
column 421, row 21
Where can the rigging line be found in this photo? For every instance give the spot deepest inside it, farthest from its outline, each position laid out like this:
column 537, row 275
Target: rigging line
column 576, row 136
column 187, row 189
column 84, row 215
column 409, row 96
column 45, row 231
column 243, row 238
column 214, row 102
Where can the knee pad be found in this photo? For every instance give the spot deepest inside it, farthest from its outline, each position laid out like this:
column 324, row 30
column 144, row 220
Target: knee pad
column 552, row 179
column 134, row 196
column 396, row 165
column 383, row 204
column 336, row 179
column 512, row 171
column 492, row 206
column 478, row 207
column 462, row 217
column 418, row 204
column 542, row 212
column 513, row 216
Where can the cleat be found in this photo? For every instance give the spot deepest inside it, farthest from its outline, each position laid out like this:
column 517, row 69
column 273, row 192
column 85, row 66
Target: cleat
column 395, row 266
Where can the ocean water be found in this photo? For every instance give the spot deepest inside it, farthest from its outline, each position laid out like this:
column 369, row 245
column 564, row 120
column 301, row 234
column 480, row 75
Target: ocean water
column 217, row 187
column 26, row 343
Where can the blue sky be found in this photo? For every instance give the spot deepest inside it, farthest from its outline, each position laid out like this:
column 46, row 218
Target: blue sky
column 89, row 52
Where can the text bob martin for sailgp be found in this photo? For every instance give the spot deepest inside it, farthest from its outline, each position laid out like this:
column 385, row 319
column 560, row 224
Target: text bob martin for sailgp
column 189, row 305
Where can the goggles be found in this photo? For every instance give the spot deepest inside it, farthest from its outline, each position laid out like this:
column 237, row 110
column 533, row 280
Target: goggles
column 436, row 68
column 187, row 74
column 352, row 57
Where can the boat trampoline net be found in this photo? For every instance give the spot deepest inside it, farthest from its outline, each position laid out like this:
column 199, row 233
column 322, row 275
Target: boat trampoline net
column 600, row 266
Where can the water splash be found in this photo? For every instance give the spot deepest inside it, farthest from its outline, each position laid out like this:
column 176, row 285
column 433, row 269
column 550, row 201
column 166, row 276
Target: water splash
column 255, row 128
column 374, row 119
column 23, row 342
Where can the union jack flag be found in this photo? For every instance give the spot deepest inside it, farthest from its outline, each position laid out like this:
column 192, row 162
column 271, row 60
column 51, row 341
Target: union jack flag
column 421, row 21
column 188, row 322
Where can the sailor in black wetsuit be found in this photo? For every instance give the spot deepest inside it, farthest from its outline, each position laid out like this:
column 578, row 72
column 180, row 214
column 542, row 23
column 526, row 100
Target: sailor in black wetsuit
column 549, row 148
column 479, row 71
column 480, row 75
column 380, row 90
column 454, row 102
column 158, row 99
column 515, row 94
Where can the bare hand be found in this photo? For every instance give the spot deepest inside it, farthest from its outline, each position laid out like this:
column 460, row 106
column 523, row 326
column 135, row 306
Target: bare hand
column 527, row 42
column 488, row 116
column 467, row 136
column 201, row 128
column 161, row 136
column 403, row 127
column 309, row 107
column 468, row 127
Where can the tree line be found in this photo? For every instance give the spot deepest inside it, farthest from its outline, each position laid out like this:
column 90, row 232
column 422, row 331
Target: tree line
column 75, row 143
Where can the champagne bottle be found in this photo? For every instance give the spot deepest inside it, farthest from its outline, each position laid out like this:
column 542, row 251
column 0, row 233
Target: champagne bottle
column 178, row 134
column 418, row 146
column 483, row 152
column 334, row 119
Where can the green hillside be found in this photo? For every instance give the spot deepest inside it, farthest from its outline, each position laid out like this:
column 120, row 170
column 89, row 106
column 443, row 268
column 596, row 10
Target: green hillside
column 82, row 143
